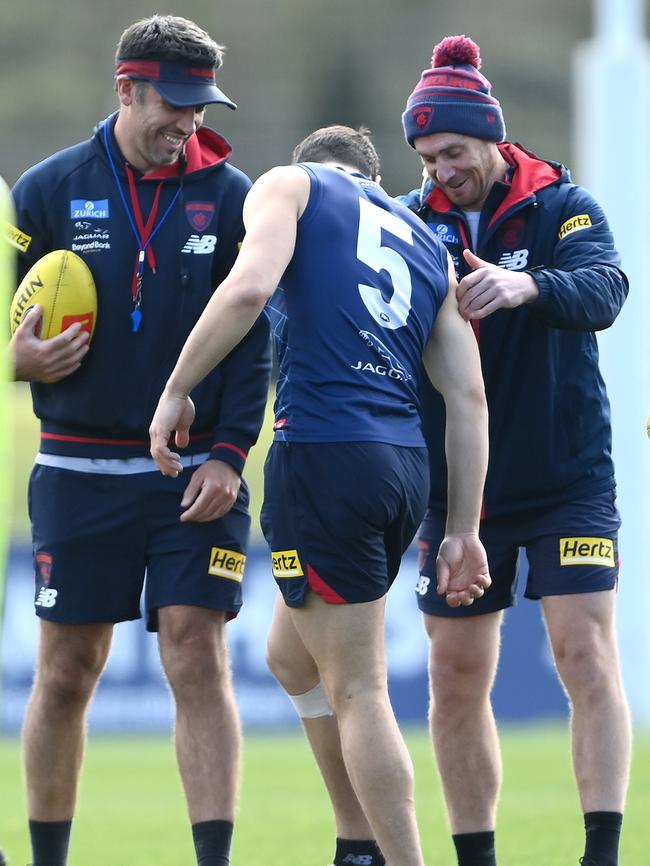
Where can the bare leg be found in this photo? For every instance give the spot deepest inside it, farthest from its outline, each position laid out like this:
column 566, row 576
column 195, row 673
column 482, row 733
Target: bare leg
column 462, row 667
column 347, row 642
column 71, row 659
column 583, row 636
column 194, row 653
column 296, row 671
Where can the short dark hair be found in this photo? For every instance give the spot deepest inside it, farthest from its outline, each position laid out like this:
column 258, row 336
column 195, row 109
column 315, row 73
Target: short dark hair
column 168, row 38
column 340, row 144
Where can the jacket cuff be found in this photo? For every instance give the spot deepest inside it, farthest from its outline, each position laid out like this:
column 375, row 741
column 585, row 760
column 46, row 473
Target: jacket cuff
column 542, row 283
column 229, row 453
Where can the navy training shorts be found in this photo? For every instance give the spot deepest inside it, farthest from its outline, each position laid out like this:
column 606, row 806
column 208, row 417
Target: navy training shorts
column 338, row 516
column 95, row 535
column 571, row 548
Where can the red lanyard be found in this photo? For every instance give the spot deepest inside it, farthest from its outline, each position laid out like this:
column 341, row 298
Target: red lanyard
column 144, row 233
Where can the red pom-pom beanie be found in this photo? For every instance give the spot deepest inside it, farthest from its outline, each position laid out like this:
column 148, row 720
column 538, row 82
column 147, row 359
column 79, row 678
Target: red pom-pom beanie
column 453, row 96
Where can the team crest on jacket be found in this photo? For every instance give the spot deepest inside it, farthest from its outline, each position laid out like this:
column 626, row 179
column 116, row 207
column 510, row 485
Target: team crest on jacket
column 200, row 214
column 512, row 231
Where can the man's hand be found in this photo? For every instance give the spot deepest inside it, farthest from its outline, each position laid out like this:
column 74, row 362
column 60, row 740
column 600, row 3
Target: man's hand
column 211, row 493
column 37, row 360
column 173, row 414
column 462, row 569
column 489, row 288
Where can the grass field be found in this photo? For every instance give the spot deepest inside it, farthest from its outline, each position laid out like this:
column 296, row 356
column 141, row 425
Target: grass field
column 132, row 813
column 131, row 810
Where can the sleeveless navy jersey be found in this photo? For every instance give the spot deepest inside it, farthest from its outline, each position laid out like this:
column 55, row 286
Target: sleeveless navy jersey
column 353, row 314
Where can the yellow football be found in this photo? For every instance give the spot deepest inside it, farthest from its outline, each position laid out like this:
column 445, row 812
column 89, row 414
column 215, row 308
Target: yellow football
column 61, row 282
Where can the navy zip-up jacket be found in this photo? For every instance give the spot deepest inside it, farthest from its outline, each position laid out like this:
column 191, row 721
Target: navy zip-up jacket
column 550, row 434
column 74, row 201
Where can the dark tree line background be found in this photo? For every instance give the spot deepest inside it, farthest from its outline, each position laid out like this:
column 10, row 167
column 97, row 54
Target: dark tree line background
column 292, row 65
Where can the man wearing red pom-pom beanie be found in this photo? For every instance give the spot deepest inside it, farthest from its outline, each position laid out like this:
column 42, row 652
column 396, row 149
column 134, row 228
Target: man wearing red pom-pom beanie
column 538, row 276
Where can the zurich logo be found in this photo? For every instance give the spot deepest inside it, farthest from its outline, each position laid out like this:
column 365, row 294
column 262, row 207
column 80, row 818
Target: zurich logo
column 84, row 208
column 446, row 234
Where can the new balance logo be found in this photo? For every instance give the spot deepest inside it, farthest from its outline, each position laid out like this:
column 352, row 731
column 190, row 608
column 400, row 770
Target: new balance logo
column 514, row 261
column 422, row 586
column 46, row 597
column 358, row 859
column 202, row 245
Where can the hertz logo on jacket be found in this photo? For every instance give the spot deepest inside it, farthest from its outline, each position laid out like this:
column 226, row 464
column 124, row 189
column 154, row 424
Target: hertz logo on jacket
column 587, row 551
column 17, row 238
column 575, row 224
column 286, row 564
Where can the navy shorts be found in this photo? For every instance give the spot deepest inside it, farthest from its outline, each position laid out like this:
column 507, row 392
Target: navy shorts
column 571, row 548
column 94, row 536
column 338, row 516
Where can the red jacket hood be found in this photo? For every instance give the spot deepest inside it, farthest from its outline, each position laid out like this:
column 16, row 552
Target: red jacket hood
column 204, row 149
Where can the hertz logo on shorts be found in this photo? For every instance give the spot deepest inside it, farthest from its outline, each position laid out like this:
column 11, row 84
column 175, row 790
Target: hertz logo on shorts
column 17, row 238
column 286, row 564
column 587, row 551
column 227, row 563
column 575, row 224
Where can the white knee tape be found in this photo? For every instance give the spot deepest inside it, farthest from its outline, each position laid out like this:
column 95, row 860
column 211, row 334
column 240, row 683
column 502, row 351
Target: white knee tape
column 312, row 704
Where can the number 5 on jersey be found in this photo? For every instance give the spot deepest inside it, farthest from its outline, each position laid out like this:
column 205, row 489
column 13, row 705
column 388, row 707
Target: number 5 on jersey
column 372, row 219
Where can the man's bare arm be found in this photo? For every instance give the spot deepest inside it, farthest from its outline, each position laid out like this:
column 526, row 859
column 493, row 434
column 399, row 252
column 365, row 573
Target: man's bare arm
column 453, row 364
column 271, row 212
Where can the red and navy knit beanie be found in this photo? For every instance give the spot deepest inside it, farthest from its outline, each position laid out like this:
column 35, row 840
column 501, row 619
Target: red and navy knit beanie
column 453, row 96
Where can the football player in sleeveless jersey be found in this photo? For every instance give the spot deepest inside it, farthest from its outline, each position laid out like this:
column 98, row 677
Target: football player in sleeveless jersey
column 366, row 294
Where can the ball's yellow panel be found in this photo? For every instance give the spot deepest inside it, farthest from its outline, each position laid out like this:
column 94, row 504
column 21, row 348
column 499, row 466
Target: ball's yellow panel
column 62, row 284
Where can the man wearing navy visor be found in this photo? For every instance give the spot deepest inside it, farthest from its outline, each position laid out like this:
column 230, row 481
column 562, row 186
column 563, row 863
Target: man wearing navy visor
column 154, row 208
column 179, row 84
